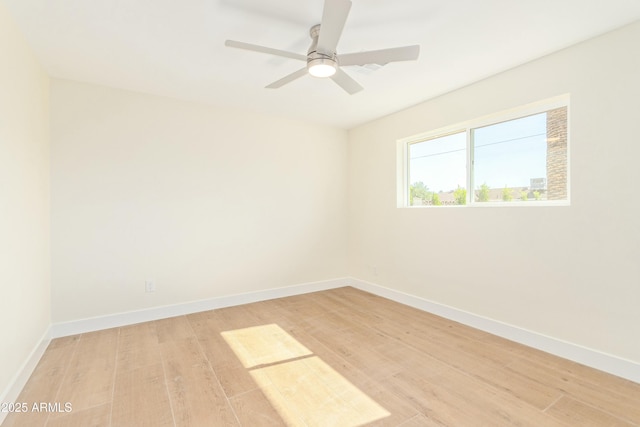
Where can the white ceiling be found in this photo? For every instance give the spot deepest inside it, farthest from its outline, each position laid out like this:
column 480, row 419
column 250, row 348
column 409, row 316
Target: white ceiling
column 176, row 48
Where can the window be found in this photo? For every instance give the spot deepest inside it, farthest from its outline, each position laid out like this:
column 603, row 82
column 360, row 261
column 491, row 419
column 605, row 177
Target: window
column 436, row 167
column 516, row 158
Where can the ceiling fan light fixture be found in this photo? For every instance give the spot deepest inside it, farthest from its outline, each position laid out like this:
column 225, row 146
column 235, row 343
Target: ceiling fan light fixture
column 322, row 67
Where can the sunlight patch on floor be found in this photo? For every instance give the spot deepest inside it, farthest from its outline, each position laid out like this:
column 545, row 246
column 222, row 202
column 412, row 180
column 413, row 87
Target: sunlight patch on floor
column 305, row 391
column 263, row 345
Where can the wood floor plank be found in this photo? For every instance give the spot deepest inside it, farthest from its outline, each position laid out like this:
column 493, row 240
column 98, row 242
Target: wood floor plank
column 574, row 369
column 523, row 387
column 44, row 383
column 361, row 377
column 410, row 359
column 140, row 398
column 187, row 350
column 138, row 346
column 27, row 419
column 216, row 349
column 577, row 413
column 266, row 312
column 313, row 393
column 196, row 396
column 420, row 420
column 357, row 352
column 98, row 416
column 453, row 398
column 233, row 376
column 231, row 318
column 234, row 380
column 254, row 409
column 89, row 379
column 302, row 306
column 263, row 345
column 331, row 320
column 607, row 398
column 63, row 342
column 173, row 328
column 428, row 398
column 399, row 410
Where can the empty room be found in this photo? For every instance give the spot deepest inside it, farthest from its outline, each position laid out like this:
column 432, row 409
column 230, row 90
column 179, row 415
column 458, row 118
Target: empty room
column 319, row 213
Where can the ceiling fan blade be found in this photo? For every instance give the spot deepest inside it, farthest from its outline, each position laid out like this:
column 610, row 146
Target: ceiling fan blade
column 346, row 82
column 288, row 79
column 334, row 17
column 380, row 57
column 262, row 49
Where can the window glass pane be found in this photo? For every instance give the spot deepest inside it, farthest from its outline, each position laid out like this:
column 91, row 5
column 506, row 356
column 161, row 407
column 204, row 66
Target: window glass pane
column 438, row 171
column 514, row 160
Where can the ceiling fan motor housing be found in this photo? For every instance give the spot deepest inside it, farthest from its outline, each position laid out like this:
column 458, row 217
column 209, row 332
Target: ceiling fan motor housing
column 320, row 64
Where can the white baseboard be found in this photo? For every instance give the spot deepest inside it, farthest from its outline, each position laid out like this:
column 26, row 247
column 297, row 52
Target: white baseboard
column 16, row 384
column 132, row 317
column 604, row 362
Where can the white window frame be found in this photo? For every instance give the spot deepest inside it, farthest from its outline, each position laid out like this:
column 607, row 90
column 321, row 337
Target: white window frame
column 468, row 126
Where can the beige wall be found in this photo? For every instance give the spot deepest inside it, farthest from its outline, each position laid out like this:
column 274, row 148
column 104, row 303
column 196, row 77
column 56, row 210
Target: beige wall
column 207, row 202
column 24, row 201
column 571, row 273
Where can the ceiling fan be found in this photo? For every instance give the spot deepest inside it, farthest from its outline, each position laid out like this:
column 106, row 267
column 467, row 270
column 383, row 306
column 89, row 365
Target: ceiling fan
column 322, row 59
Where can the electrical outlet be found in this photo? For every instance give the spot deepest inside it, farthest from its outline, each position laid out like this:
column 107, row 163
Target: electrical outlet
column 149, row 285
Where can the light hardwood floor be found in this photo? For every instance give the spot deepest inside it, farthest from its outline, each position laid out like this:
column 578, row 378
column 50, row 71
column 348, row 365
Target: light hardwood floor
column 341, row 358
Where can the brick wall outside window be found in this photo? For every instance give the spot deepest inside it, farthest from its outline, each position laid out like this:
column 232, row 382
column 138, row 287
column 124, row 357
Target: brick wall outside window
column 557, row 154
